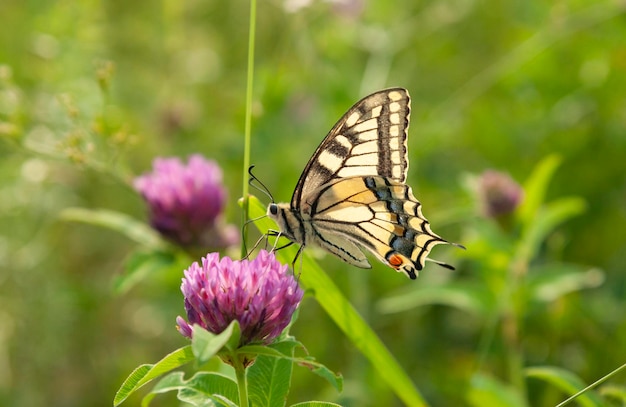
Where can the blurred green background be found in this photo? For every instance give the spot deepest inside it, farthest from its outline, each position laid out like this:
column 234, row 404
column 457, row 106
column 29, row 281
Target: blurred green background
column 91, row 92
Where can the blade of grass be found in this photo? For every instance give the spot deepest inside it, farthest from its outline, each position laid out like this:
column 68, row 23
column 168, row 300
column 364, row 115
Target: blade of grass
column 248, row 119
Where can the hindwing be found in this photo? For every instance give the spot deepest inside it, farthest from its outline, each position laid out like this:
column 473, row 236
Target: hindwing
column 370, row 139
column 375, row 213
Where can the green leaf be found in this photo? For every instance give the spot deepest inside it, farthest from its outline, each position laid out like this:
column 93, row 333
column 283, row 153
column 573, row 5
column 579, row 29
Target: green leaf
column 535, row 188
column 468, row 297
column 119, row 222
column 145, row 373
column 235, row 336
column 269, row 379
column 336, row 380
column 206, row 345
column 567, row 381
column 203, row 389
column 546, row 220
column 549, row 283
column 316, row 404
column 487, row 391
column 612, row 392
column 345, row 316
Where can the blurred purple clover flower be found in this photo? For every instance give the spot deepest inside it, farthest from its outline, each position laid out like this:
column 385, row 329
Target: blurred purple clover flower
column 498, row 193
column 260, row 294
column 186, row 202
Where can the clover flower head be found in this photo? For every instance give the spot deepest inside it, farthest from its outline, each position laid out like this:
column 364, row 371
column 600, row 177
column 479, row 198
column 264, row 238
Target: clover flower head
column 186, row 201
column 260, row 294
column 498, row 193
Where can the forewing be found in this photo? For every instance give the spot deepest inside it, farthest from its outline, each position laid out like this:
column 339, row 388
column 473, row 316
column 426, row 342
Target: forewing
column 369, row 140
column 378, row 214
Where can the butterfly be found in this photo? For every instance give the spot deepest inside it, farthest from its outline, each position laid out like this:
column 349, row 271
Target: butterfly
column 352, row 193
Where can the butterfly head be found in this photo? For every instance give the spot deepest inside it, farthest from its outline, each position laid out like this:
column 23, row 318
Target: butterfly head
column 272, row 210
column 288, row 221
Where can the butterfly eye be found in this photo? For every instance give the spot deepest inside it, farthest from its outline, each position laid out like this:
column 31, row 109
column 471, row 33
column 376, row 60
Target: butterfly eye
column 273, row 209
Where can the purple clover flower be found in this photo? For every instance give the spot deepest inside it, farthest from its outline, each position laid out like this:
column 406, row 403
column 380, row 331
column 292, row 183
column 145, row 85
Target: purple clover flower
column 186, row 202
column 260, row 294
column 499, row 194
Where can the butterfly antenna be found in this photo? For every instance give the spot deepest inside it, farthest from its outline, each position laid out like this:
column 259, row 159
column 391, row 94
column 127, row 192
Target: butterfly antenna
column 261, row 187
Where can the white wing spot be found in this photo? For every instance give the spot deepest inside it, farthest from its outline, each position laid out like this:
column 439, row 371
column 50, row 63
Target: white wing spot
column 397, row 172
column 366, row 148
column 376, row 111
column 394, row 107
column 394, row 131
column 368, row 135
column 370, row 124
column 394, row 118
column 357, row 171
column 330, row 161
column 343, row 140
column 395, row 95
column 353, row 119
column 370, row 159
column 394, row 143
column 395, row 157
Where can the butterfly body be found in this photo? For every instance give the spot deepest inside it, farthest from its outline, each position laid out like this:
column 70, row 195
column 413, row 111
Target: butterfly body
column 352, row 194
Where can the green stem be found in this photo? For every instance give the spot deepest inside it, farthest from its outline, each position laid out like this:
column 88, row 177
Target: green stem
column 242, row 381
column 511, row 324
column 248, row 119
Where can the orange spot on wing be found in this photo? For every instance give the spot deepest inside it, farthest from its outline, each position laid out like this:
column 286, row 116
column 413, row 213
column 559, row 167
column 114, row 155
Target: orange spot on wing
column 395, row 260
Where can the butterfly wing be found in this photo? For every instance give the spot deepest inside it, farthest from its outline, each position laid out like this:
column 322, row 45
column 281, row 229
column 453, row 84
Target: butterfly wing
column 370, row 139
column 376, row 213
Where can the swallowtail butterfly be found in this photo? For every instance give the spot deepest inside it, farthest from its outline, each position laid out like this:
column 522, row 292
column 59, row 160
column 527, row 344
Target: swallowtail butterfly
column 352, row 194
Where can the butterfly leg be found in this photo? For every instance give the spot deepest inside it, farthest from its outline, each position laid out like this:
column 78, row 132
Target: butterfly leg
column 277, row 234
column 258, row 242
column 293, row 263
column 270, row 233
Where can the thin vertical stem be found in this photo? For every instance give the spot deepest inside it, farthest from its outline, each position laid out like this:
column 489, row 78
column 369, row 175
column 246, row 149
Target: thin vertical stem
column 511, row 324
column 248, row 119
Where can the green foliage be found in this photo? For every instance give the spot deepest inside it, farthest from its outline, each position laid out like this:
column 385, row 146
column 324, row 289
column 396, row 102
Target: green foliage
column 203, row 389
column 487, row 391
column 268, row 377
column 145, row 373
column 566, row 381
column 119, row 222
